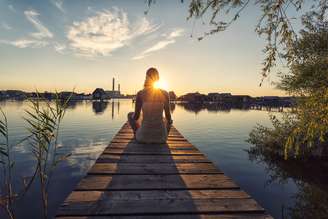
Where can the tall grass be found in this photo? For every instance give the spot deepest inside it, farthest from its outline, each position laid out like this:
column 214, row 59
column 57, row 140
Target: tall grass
column 7, row 196
column 43, row 119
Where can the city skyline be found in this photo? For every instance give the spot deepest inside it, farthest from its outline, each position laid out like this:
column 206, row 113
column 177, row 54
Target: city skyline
column 58, row 45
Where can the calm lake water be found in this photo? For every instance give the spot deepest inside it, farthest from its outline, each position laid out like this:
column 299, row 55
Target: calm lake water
column 89, row 126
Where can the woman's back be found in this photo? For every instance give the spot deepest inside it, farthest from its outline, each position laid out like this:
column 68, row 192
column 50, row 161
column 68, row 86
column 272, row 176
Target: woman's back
column 151, row 102
column 153, row 126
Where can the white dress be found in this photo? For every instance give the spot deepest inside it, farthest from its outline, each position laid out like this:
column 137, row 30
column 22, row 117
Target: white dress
column 153, row 127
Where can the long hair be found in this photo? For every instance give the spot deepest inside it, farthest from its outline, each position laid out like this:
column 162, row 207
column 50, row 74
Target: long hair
column 152, row 76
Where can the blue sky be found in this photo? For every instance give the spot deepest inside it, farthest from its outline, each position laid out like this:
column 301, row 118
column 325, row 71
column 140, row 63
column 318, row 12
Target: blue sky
column 62, row 44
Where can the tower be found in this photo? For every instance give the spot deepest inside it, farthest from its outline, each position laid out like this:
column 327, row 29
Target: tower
column 113, row 84
column 119, row 88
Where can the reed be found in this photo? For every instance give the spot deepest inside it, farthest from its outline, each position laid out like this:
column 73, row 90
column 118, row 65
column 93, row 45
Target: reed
column 43, row 118
column 6, row 194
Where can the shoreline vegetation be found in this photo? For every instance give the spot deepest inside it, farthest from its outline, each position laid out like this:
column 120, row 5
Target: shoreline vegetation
column 193, row 98
column 302, row 133
column 43, row 121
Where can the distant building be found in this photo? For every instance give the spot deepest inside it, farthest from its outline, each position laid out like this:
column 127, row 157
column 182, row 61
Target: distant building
column 3, row 95
column 193, row 97
column 46, row 95
column 114, row 93
column 241, row 98
column 99, row 94
column 74, row 96
column 214, row 97
column 225, row 94
column 15, row 94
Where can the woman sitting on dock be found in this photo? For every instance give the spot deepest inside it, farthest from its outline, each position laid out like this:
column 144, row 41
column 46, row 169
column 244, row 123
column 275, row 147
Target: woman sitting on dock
column 151, row 127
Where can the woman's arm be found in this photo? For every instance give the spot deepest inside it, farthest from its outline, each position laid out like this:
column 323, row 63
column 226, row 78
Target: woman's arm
column 167, row 109
column 138, row 106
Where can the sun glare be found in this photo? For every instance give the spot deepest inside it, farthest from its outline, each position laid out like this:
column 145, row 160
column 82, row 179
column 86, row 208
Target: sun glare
column 161, row 85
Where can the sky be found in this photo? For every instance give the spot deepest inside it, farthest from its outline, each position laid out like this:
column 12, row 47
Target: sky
column 60, row 45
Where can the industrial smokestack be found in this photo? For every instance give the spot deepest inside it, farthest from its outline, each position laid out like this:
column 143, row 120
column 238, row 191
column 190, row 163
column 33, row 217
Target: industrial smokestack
column 119, row 87
column 113, row 84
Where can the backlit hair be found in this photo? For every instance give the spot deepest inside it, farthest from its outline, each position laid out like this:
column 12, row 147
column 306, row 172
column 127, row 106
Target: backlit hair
column 152, row 76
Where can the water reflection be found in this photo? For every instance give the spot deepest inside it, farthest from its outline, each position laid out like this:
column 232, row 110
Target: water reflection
column 226, row 107
column 99, row 107
column 74, row 103
column 311, row 198
column 89, row 126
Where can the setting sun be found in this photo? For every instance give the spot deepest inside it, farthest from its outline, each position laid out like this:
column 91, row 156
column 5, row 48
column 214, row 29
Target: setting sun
column 161, row 84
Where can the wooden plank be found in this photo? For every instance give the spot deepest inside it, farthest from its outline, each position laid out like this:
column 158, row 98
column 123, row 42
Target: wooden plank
column 137, row 144
column 134, row 146
column 172, row 180
column 168, row 146
column 154, row 151
column 130, row 134
column 158, row 202
column 113, row 158
column 177, row 216
column 134, row 141
column 159, row 168
column 129, row 130
column 152, row 182
column 154, row 195
column 131, row 138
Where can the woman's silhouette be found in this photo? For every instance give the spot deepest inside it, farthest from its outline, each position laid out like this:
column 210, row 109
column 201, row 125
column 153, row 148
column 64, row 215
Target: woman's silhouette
column 151, row 127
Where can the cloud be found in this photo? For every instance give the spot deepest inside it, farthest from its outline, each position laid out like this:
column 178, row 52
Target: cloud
column 11, row 8
column 5, row 26
column 24, row 43
column 105, row 32
column 60, row 48
column 59, row 5
column 169, row 39
column 43, row 32
column 34, row 40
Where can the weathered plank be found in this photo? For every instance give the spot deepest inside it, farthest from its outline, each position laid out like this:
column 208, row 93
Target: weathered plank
column 152, row 182
column 151, row 151
column 114, row 158
column 167, row 145
column 159, row 168
column 154, row 195
column 172, row 180
column 130, row 134
column 178, row 216
column 131, row 139
column 134, row 141
column 135, row 146
column 153, row 202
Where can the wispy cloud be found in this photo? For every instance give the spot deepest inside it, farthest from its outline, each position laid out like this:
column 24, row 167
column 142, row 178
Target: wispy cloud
column 60, row 48
column 105, row 32
column 11, row 8
column 5, row 26
column 59, row 5
column 168, row 39
column 34, row 39
column 24, row 43
column 43, row 32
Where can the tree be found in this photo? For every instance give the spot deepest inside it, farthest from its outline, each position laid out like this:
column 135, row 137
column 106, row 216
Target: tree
column 274, row 23
column 304, row 131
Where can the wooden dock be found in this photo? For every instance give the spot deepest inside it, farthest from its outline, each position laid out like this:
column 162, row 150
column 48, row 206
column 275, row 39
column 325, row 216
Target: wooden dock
column 173, row 180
